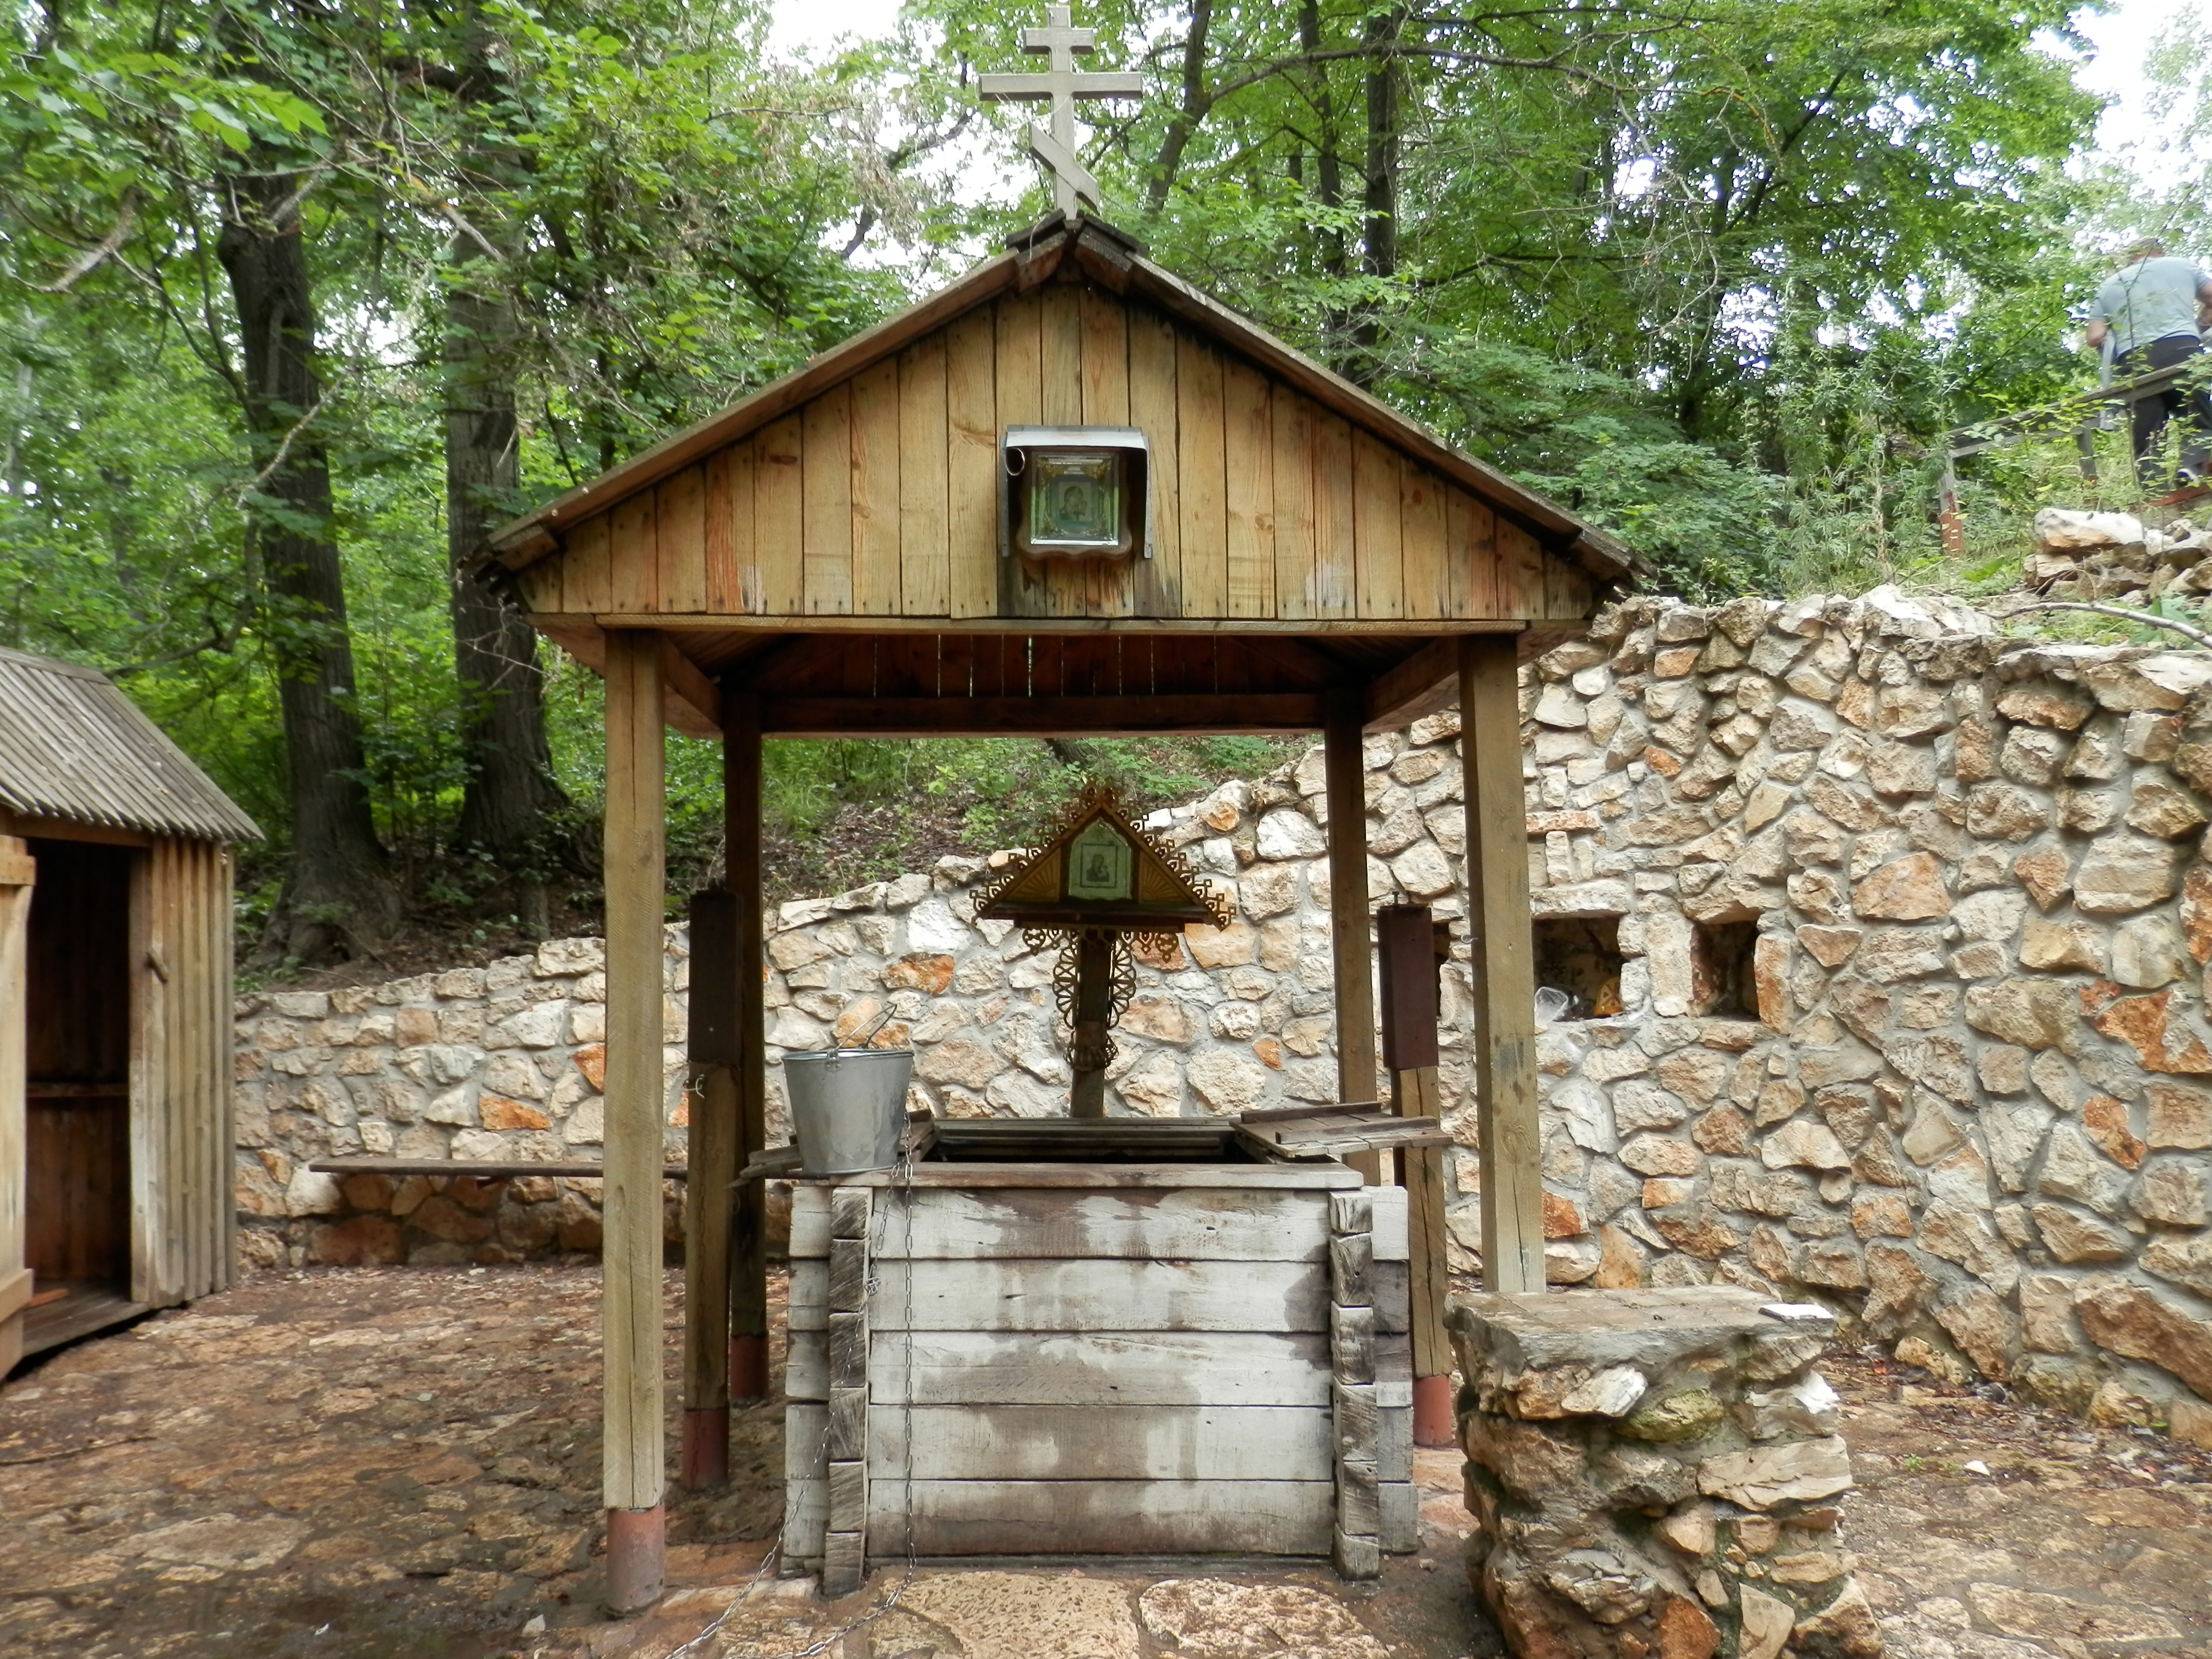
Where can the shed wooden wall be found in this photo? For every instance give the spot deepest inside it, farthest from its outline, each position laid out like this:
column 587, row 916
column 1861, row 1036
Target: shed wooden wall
column 183, row 1216
column 879, row 497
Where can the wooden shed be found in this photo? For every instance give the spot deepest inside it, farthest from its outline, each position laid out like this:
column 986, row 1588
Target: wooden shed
column 854, row 550
column 115, row 1012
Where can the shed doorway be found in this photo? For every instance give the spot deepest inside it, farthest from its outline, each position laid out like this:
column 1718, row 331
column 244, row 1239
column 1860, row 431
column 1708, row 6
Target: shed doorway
column 77, row 1087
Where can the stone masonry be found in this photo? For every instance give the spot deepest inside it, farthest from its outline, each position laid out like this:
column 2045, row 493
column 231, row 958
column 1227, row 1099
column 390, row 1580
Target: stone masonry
column 1655, row 1475
column 1881, row 943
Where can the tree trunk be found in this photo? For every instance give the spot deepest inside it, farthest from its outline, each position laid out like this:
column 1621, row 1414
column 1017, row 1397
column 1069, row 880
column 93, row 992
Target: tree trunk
column 511, row 792
column 339, row 895
column 1380, row 230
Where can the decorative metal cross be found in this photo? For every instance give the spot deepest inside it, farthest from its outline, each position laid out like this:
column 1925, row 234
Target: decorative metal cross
column 1055, row 147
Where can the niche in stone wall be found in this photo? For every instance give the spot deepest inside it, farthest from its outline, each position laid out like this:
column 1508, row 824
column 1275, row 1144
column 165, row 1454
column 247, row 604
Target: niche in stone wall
column 1580, row 956
column 1722, row 984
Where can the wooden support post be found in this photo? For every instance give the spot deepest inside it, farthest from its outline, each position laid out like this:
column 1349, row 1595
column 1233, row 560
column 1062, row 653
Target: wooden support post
column 17, row 873
column 1357, row 1547
column 741, row 865
column 1405, row 936
column 630, row 1301
column 845, row 1545
column 1091, row 1041
column 712, row 1165
column 1344, row 770
column 1501, row 952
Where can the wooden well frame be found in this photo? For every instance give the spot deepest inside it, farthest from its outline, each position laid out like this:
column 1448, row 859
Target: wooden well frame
column 824, row 559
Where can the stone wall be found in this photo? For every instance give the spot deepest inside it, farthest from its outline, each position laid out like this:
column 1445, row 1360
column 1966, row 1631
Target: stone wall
column 1883, row 941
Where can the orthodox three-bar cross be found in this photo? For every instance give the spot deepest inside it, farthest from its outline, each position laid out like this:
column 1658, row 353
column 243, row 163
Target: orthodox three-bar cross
column 1055, row 146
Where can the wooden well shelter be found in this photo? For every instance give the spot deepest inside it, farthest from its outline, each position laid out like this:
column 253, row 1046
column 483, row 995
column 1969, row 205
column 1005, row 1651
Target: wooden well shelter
column 115, row 1012
column 868, row 548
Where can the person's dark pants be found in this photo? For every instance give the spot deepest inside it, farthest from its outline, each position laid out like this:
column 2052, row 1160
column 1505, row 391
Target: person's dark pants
column 2154, row 410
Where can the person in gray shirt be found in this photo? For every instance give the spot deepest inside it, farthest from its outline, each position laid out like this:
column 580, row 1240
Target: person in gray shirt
column 2154, row 309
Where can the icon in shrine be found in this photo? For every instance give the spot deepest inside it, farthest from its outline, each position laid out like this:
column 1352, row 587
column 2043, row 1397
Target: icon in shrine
column 1101, row 888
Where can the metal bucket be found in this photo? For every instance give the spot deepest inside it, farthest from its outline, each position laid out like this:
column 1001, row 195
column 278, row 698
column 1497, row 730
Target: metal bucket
column 848, row 1107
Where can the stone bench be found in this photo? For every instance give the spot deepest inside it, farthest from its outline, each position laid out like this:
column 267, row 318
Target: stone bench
column 1655, row 1473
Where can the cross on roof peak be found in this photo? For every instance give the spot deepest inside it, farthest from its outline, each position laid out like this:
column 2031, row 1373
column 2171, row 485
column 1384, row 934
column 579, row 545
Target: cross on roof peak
column 1061, row 85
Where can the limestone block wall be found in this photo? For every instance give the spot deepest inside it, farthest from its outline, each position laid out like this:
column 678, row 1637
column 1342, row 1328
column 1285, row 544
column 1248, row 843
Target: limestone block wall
column 1885, row 938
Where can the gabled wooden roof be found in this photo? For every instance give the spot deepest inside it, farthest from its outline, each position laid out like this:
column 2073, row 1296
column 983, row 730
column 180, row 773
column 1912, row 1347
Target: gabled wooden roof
column 832, row 542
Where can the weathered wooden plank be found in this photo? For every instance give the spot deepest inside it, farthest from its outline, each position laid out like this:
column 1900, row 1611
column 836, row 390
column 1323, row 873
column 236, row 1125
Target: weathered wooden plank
column 1473, row 564
column 850, row 1209
column 1101, row 1443
column 847, row 1337
column 1291, row 430
column 1357, row 1512
column 847, row 1276
column 987, row 1295
column 1377, row 527
column 1318, row 1176
column 1509, row 1139
column 1060, row 387
column 1353, row 1412
column 1152, row 406
column 780, row 517
column 1351, row 1256
column 1201, row 461
column 587, row 568
column 1356, row 1557
column 733, row 577
column 1130, row 1368
column 1400, row 1504
column 1336, row 535
column 972, row 471
column 806, row 1366
column 1386, row 1219
column 1203, row 1225
column 1108, row 1517
column 844, row 1562
column 1394, row 1442
column 1520, row 572
column 877, row 469
column 634, row 553
column 805, row 1477
column 1351, row 1212
column 680, row 541
column 923, row 517
column 631, row 1302
column 1423, row 544
column 1391, row 1286
column 1352, row 1343
column 1248, row 460
column 846, row 1436
column 826, row 475
column 848, row 1495
column 1105, row 360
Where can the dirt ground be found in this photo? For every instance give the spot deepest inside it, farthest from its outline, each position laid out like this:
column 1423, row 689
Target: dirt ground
column 404, row 1463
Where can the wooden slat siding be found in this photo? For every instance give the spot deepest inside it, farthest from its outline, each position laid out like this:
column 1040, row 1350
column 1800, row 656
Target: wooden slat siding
column 588, row 568
column 1023, row 585
column 1249, row 488
column 1110, row 585
column 1109, row 1518
column 806, row 1365
column 186, row 1116
column 876, row 468
column 1470, row 531
column 972, row 472
column 1153, row 406
column 225, row 996
column 731, row 576
column 1377, row 534
column 634, row 555
column 1201, row 435
column 680, row 541
column 14, row 1150
column 1100, row 1442
column 635, row 878
column 826, row 470
column 1520, row 565
column 1072, row 588
column 539, row 588
column 1336, row 533
column 1567, row 591
column 999, row 1295
column 1128, row 1368
column 1190, row 1225
column 1502, row 1037
column 1291, row 430
column 1426, row 547
column 925, row 503
column 780, row 517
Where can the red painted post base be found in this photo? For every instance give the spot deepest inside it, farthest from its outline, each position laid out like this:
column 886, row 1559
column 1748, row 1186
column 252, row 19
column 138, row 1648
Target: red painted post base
column 706, row 1447
column 748, row 1368
column 637, row 1558
column 1434, row 1424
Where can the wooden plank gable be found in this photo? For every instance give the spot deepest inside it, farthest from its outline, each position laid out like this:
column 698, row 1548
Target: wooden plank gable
column 879, row 496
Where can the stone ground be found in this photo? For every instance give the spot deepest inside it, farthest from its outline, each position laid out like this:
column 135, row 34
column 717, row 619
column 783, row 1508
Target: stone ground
column 403, row 1463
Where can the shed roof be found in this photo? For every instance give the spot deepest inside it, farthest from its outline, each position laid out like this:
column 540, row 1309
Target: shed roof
column 73, row 747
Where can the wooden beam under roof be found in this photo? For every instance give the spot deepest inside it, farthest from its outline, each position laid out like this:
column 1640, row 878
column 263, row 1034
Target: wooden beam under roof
column 1257, row 714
